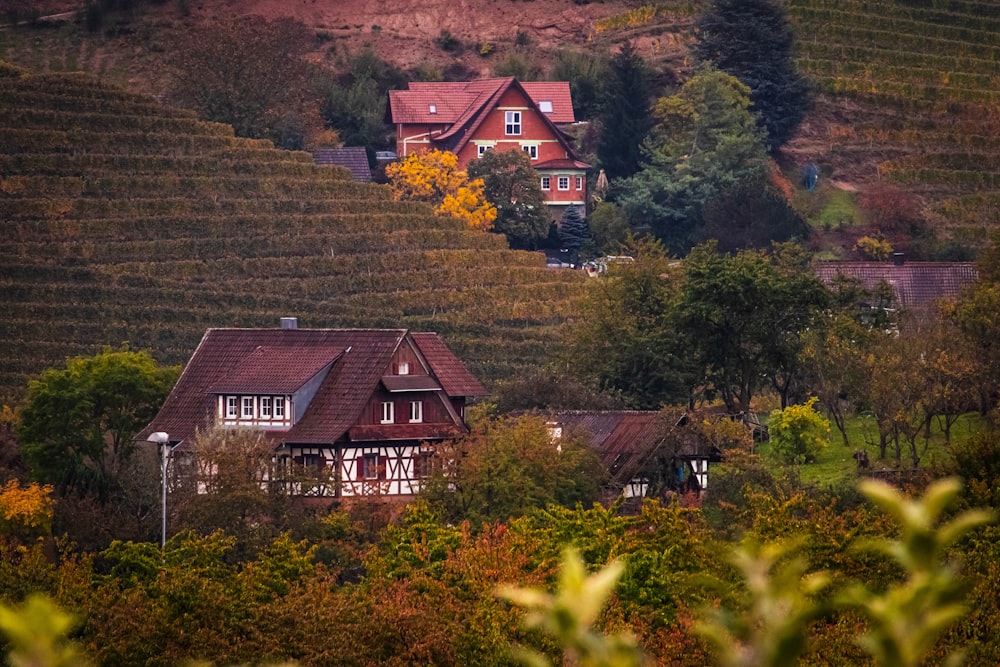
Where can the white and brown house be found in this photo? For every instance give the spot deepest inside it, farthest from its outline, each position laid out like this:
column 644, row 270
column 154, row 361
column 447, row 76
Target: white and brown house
column 364, row 407
column 471, row 117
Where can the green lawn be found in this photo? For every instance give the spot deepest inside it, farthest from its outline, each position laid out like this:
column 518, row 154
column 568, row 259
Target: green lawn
column 836, row 465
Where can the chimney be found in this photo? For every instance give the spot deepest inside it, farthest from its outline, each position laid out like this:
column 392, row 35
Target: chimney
column 898, row 258
column 289, row 323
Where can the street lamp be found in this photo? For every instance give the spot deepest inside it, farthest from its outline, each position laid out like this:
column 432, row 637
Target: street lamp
column 163, row 440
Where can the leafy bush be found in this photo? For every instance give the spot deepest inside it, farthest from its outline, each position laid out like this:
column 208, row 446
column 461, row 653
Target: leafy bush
column 798, row 432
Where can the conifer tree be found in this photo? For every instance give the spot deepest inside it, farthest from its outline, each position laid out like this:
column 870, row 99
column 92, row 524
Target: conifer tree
column 751, row 40
column 573, row 231
column 626, row 116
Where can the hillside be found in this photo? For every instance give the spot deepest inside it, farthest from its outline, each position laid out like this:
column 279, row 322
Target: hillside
column 125, row 220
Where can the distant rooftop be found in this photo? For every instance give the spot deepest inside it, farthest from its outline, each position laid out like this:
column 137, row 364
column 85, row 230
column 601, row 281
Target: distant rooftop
column 354, row 158
column 914, row 284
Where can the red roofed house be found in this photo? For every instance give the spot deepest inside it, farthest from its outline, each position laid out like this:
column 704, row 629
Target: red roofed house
column 363, row 405
column 470, row 118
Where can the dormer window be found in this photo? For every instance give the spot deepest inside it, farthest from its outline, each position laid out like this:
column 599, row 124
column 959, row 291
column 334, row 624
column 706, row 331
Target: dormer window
column 545, row 106
column 432, row 109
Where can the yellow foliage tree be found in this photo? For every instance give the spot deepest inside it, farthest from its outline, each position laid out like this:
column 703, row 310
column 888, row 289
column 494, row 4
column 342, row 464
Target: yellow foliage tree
column 25, row 511
column 434, row 177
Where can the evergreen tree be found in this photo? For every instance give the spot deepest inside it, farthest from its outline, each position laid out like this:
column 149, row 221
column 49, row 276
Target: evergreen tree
column 751, row 40
column 573, row 232
column 625, row 113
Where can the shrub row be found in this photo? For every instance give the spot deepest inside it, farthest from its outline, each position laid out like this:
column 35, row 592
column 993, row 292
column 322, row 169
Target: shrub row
column 914, row 75
column 861, row 33
column 46, row 118
column 263, row 163
column 816, row 49
column 933, row 25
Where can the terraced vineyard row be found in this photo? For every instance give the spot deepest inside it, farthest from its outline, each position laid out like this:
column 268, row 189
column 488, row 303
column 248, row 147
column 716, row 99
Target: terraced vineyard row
column 126, row 221
column 915, row 92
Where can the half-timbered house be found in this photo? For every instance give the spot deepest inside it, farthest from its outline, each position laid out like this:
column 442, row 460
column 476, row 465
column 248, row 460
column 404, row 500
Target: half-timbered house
column 364, row 407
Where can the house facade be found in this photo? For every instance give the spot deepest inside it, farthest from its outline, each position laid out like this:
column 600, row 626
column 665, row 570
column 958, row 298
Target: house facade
column 363, row 408
column 470, row 118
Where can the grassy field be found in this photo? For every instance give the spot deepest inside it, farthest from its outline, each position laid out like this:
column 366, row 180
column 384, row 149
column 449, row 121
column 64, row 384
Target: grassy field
column 835, row 465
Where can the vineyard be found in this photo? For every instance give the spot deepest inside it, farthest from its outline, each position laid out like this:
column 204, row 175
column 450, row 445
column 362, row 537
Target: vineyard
column 908, row 93
column 127, row 221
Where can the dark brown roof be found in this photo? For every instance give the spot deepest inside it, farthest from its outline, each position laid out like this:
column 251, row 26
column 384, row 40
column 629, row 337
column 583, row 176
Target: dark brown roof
column 353, row 158
column 914, row 284
column 232, row 359
column 276, row 369
column 455, row 378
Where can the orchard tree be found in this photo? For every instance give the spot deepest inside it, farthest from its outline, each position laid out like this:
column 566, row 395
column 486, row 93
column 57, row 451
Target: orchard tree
column 434, row 177
column 704, row 144
column 751, row 40
column 625, row 117
column 511, row 185
column 77, row 424
column 251, row 73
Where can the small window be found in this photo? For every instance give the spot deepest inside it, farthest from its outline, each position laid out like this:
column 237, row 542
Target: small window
column 545, row 106
column 512, row 122
column 531, row 150
column 265, row 407
column 423, row 465
column 564, row 182
column 416, row 411
column 482, row 148
column 279, row 407
column 403, row 368
column 432, row 108
column 579, row 182
column 369, row 466
column 247, row 412
column 546, row 182
column 232, row 402
column 388, row 412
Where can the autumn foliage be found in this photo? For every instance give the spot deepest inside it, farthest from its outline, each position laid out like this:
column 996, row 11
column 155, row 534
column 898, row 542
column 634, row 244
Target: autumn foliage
column 434, row 177
column 25, row 511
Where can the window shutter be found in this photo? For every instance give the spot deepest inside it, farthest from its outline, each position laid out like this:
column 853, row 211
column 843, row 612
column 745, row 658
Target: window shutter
column 359, row 469
column 381, row 466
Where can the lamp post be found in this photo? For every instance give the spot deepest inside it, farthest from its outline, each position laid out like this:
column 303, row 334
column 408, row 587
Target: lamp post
column 163, row 440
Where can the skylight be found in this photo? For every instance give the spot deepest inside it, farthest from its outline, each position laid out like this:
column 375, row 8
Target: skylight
column 433, row 108
column 545, row 106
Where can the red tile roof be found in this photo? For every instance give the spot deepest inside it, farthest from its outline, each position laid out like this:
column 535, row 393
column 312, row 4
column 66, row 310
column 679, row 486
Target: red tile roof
column 914, row 284
column 562, row 163
column 353, row 158
column 556, row 92
column 456, row 101
column 235, row 359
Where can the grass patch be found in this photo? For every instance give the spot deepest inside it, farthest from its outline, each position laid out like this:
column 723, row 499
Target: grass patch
column 835, row 465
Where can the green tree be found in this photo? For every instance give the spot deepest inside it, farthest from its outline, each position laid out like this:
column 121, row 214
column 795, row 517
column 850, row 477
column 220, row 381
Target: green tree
column 353, row 103
column 507, row 467
column 77, row 424
column 744, row 316
column 585, row 74
column 705, row 142
column 750, row 214
column 751, row 40
column 609, row 228
column 625, row 117
column 627, row 341
column 512, row 186
column 250, row 73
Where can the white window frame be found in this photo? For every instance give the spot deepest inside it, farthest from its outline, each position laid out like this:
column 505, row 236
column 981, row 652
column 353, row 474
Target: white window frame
column 579, row 182
column 546, row 184
column 545, row 106
column 512, row 123
column 403, row 368
column 563, row 183
column 265, row 407
column 279, row 407
column 246, row 407
column 232, row 407
column 531, row 150
column 388, row 412
column 481, row 149
column 416, row 412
